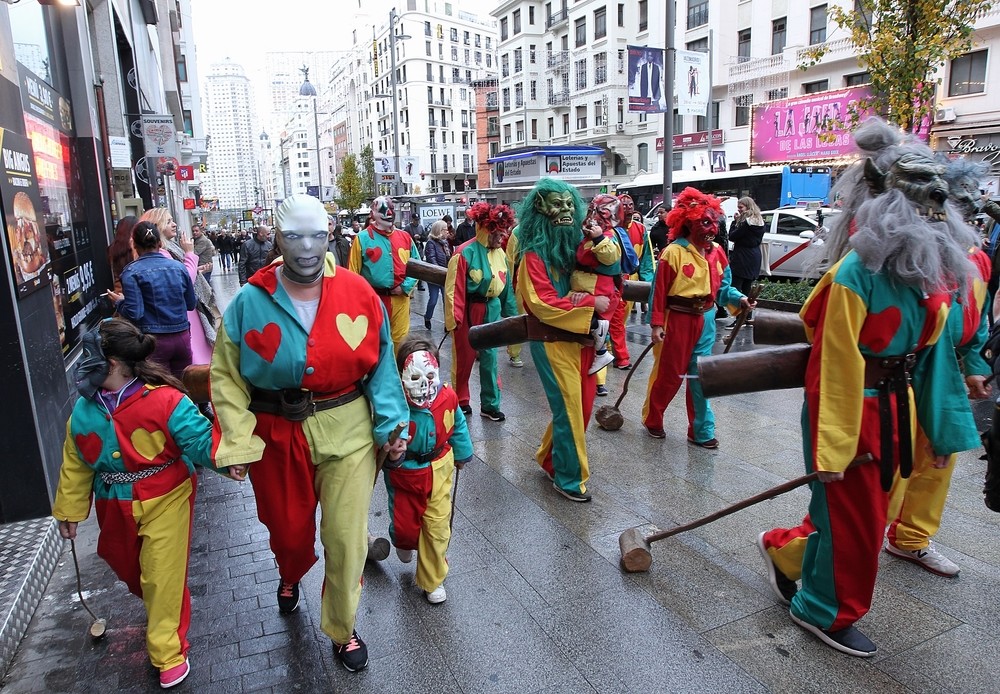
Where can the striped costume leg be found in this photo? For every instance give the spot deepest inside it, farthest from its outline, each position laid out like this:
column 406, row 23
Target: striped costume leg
column 432, row 565
column 701, row 419
column 463, row 357
column 408, row 490
column 562, row 367
column 399, row 318
column 618, row 344
column 917, row 504
column 489, row 380
column 671, row 359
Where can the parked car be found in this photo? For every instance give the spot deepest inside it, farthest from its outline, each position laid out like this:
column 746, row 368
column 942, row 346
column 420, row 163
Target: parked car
column 792, row 247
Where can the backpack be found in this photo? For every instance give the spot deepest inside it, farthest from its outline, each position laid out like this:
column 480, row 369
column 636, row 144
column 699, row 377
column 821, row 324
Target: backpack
column 629, row 261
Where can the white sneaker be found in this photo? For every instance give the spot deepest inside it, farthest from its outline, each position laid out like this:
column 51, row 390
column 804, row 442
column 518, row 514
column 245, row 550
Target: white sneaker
column 928, row 557
column 601, row 332
column 437, row 596
column 601, row 359
column 516, row 362
column 405, row 555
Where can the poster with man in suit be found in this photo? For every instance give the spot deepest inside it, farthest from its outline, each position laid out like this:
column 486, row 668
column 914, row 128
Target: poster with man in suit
column 646, row 93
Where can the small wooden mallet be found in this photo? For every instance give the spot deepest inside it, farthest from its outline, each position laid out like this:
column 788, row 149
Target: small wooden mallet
column 635, row 547
column 610, row 418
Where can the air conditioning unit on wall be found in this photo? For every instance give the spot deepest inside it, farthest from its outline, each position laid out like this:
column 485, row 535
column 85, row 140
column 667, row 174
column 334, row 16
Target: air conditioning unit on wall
column 620, row 128
column 944, row 115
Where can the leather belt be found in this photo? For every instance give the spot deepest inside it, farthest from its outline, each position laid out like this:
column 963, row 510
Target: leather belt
column 298, row 405
column 426, row 457
column 691, row 304
column 476, row 299
column 129, row 477
column 543, row 332
column 891, row 376
column 383, row 292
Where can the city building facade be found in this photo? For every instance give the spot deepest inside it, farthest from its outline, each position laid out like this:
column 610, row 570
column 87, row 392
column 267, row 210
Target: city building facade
column 232, row 162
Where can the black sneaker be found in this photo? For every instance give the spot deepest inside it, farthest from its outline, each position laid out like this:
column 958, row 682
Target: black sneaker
column 427, row 323
column 353, row 655
column 784, row 588
column 493, row 415
column 848, row 640
column 288, row 597
column 467, row 409
column 572, row 496
column 602, row 391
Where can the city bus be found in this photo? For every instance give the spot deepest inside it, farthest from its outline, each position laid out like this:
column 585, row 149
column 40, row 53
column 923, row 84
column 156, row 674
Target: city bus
column 770, row 187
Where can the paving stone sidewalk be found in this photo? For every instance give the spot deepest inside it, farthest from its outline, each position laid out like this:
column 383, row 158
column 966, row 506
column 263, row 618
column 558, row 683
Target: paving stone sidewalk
column 536, row 601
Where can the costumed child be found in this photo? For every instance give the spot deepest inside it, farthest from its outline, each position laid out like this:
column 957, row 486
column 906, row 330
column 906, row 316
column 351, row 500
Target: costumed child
column 420, row 487
column 598, row 273
column 132, row 442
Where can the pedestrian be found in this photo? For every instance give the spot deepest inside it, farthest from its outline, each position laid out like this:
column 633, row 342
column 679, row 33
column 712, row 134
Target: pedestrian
column 465, row 231
column 121, row 252
column 745, row 258
column 897, row 253
column 418, row 233
column 476, row 292
column 337, row 244
column 692, row 276
column 451, row 231
column 226, row 251
column 205, row 250
column 157, row 294
column 204, row 318
column 379, row 254
column 436, row 252
column 633, row 230
column 303, row 400
column 253, row 253
column 132, row 441
column 659, row 233
column 548, row 233
column 419, row 489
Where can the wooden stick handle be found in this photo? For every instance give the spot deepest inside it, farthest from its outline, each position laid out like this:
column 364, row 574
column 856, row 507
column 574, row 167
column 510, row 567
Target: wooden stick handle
column 630, row 372
column 382, row 455
column 740, row 505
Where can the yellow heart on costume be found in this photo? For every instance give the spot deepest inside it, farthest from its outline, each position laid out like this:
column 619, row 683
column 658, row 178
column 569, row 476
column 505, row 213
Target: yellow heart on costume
column 353, row 331
column 476, row 275
column 148, row 444
column 449, row 420
column 404, row 255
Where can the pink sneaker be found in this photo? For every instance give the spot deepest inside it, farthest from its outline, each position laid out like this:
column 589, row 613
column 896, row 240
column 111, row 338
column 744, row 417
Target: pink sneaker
column 175, row 675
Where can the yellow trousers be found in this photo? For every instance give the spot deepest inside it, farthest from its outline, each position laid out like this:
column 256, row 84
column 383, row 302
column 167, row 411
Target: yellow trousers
column 435, row 533
column 399, row 318
column 916, row 504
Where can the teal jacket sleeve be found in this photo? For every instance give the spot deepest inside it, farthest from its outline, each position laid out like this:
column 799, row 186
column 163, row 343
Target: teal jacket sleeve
column 409, row 283
column 942, row 404
column 728, row 294
column 461, row 442
column 384, row 390
column 193, row 434
column 646, row 261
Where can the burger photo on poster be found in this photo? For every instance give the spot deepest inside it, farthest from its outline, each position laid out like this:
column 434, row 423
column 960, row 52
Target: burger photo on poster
column 27, row 245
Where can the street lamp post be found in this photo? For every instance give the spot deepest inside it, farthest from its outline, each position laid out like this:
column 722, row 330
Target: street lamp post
column 395, row 94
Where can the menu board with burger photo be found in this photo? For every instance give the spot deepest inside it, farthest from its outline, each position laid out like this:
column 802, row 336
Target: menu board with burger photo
column 21, row 207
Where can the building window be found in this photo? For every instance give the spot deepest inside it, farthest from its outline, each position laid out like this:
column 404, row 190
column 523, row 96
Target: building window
column 503, row 31
column 533, row 90
column 489, row 60
column 968, row 74
column 778, row 36
column 621, row 14
column 465, row 38
column 643, row 152
column 478, row 41
column 505, row 65
column 701, row 122
column 743, row 43
column 182, row 69
column 518, row 61
column 817, row 25
column 552, row 127
column 427, row 29
column 815, row 87
column 643, row 15
column 489, row 42
column 428, row 49
column 188, row 124
column 775, row 94
column 506, row 98
column 518, row 95
column 697, row 14
column 741, row 109
column 598, row 113
column 479, row 58
column 581, row 73
column 532, row 53
column 581, row 117
column 531, row 16
column 453, row 34
column 565, row 124
column 600, row 23
column 430, row 72
column 581, row 32
column 600, row 68
column 454, row 54
column 857, row 79
column 517, row 22
column 701, row 45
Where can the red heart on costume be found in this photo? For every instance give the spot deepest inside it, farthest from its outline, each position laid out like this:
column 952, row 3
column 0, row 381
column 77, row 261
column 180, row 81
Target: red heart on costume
column 503, row 276
column 265, row 343
column 373, row 253
column 880, row 328
column 688, row 270
column 90, row 446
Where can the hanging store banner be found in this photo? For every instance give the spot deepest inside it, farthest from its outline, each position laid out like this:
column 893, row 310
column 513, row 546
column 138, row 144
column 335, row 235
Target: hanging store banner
column 22, row 207
column 691, row 81
column 815, row 127
column 159, row 136
column 409, row 170
column 646, row 90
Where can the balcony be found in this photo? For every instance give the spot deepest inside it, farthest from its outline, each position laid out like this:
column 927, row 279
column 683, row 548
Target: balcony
column 557, row 18
column 559, row 98
column 492, row 132
column 432, row 122
column 837, row 49
column 558, row 60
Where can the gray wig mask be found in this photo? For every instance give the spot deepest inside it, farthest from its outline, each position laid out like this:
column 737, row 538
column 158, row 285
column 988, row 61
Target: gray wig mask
column 92, row 369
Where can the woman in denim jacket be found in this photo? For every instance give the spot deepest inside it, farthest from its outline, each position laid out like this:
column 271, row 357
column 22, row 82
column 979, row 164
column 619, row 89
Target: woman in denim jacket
column 437, row 251
column 157, row 294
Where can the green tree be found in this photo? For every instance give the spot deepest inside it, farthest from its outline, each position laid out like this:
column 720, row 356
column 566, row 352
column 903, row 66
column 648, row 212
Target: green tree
column 368, row 171
column 902, row 43
column 351, row 185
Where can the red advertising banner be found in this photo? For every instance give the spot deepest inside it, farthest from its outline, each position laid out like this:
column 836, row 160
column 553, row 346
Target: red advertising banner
column 185, row 173
column 688, row 140
column 188, row 203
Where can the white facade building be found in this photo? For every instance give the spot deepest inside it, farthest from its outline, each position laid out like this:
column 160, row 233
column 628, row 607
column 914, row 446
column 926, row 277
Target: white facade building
column 231, row 159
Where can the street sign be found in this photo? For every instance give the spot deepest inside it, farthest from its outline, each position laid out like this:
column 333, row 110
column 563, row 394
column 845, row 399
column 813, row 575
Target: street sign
column 188, row 203
column 185, row 173
column 386, row 177
column 247, row 215
column 258, row 209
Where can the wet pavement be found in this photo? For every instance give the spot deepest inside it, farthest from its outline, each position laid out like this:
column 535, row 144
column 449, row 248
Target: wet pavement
column 536, row 600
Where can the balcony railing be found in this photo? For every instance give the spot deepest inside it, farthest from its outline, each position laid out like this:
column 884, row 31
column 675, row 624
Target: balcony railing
column 558, row 59
column 832, row 50
column 556, row 18
column 559, row 98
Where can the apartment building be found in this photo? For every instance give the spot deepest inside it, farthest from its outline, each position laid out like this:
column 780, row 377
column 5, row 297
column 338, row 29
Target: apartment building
column 232, row 162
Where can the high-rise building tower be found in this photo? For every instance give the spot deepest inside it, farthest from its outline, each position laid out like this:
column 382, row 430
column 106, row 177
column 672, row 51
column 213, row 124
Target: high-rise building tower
column 231, row 150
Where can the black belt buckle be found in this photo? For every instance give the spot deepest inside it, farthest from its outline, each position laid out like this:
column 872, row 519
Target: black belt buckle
column 296, row 405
